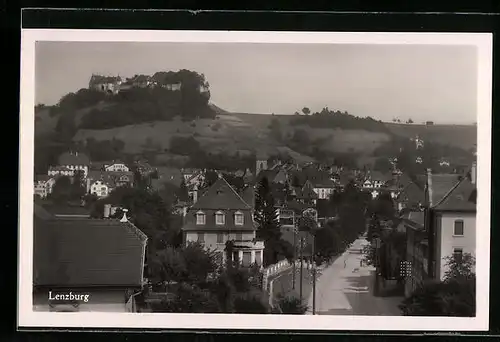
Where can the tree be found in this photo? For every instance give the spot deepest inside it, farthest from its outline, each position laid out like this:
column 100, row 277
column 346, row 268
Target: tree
column 410, row 121
column 382, row 165
column 266, row 217
column 460, row 267
column 62, row 190
column 306, row 111
column 290, row 304
column 182, row 192
column 454, row 296
column 210, row 178
column 275, row 128
column 78, row 188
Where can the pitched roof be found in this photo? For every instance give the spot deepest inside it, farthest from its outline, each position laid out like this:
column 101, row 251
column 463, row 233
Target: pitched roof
column 296, row 206
column 441, row 185
column 412, row 193
column 87, row 252
column 65, row 209
column 42, row 178
column 415, row 218
column 461, row 197
column 221, row 195
column 76, row 158
column 59, row 168
column 269, row 174
column 248, row 195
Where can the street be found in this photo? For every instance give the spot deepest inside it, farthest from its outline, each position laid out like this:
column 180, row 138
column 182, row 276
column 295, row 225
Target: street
column 346, row 288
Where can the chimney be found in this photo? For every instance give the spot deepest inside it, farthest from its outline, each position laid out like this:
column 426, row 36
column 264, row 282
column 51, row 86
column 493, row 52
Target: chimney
column 107, row 210
column 473, row 173
column 124, row 218
column 429, row 187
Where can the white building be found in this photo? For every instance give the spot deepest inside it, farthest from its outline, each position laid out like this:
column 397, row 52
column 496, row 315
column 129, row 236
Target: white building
column 116, row 167
column 75, row 161
column 60, row 171
column 100, row 188
column 44, row 185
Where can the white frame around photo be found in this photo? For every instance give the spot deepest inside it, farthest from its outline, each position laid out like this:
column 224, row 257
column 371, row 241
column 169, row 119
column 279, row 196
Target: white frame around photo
column 29, row 318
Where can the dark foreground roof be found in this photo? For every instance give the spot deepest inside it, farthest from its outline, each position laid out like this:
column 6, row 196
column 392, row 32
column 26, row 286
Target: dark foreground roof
column 87, row 252
column 462, row 197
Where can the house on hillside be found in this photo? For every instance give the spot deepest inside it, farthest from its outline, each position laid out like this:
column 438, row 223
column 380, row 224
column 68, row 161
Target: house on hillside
column 448, row 228
column 76, row 255
column 60, row 171
column 221, row 215
column 75, row 161
column 101, row 188
column 116, row 166
column 444, row 163
column 106, row 84
column 43, row 185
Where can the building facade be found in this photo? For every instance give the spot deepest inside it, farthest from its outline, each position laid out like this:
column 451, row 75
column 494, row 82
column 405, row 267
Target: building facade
column 221, row 217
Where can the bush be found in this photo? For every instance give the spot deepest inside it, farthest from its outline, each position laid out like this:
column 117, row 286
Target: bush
column 216, row 126
column 184, row 146
column 336, row 119
column 290, row 304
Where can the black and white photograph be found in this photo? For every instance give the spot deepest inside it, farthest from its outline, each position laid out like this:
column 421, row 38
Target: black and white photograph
column 255, row 180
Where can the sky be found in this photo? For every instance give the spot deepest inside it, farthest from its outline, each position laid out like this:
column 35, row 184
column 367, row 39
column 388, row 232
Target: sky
column 421, row 82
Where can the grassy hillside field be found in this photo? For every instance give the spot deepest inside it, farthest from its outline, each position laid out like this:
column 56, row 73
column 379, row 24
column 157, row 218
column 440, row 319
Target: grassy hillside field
column 245, row 133
column 463, row 136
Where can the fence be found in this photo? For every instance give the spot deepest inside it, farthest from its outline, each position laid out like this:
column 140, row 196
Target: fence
column 279, row 267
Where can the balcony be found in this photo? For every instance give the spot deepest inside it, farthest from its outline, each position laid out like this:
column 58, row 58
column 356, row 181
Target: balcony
column 249, row 244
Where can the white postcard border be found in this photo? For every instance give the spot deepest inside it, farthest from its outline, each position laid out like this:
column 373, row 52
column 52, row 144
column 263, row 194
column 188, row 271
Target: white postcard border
column 28, row 318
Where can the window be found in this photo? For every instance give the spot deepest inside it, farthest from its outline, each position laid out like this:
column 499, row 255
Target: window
column 220, row 238
column 457, row 254
column 201, row 237
column 200, row 218
column 238, row 219
column 459, row 228
column 239, row 237
column 219, row 217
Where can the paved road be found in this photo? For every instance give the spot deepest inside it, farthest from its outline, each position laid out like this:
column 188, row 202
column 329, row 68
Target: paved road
column 346, row 288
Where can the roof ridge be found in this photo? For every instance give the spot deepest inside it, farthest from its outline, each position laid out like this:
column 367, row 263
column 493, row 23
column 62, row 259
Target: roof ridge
column 227, row 183
column 449, row 192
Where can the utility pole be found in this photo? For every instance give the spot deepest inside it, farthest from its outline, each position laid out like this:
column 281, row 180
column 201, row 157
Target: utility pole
column 314, row 275
column 294, row 250
column 301, row 266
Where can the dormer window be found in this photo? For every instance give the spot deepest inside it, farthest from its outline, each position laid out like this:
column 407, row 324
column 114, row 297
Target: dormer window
column 220, row 218
column 200, row 218
column 238, row 218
